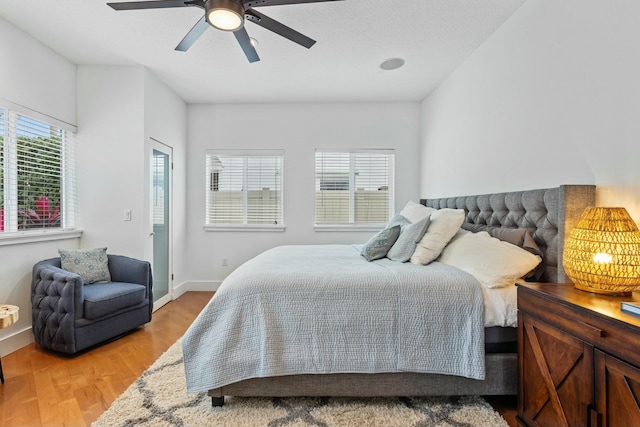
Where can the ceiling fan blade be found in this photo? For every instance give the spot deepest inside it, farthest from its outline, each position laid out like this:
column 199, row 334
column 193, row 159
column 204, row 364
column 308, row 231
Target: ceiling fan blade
column 258, row 3
column 245, row 44
column 193, row 35
column 278, row 28
column 156, row 4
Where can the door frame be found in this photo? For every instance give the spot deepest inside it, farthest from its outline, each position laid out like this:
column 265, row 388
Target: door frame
column 168, row 150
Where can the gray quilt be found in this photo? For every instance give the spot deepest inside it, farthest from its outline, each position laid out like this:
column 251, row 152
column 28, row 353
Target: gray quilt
column 324, row 309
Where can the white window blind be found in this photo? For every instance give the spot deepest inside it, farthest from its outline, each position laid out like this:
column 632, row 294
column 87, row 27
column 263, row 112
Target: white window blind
column 37, row 175
column 354, row 187
column 244, row 188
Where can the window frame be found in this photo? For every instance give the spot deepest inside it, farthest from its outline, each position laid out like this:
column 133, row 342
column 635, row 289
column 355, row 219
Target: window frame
column 352, row 225
column 211, row 182
column 67, row 229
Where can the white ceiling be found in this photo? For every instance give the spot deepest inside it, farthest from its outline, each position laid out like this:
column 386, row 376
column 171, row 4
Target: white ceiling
column 353, row 37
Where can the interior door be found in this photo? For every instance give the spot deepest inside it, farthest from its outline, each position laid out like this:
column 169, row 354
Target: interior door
column 161, row 166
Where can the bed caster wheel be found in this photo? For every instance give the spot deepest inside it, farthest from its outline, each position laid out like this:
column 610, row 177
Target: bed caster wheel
column 217, row 402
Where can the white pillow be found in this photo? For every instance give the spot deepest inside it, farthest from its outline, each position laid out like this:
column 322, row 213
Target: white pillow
column 414, row 212
column 491, row 261
column 445, row 223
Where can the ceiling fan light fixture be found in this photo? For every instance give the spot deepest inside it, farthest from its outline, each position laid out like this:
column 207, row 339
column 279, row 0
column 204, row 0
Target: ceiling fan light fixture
column 225, row 15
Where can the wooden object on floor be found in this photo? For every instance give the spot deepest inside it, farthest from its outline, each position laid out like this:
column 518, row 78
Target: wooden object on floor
column 578, row 358
column 45, row 388
column 8, row 315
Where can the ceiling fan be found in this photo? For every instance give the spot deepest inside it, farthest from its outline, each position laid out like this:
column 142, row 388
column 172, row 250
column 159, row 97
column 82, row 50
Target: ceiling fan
column 228, row 15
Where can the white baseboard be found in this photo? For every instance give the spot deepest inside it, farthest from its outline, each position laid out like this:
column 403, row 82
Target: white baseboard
column 195, row 286
column 16, row 341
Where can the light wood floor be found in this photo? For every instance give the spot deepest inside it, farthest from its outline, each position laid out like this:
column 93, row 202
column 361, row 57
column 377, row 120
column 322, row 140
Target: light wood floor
column 46, row 389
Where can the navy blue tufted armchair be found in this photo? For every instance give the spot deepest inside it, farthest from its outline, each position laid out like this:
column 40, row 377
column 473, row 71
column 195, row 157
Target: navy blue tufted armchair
column 69, row 316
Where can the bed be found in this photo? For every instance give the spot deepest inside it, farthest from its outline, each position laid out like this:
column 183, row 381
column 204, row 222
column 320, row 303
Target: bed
column 255, row 338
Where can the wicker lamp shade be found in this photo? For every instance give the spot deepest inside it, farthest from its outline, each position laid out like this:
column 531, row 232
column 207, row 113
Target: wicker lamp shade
column 602, row 253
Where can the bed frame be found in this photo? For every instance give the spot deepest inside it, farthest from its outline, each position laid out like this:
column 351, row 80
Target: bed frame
column 549, row 214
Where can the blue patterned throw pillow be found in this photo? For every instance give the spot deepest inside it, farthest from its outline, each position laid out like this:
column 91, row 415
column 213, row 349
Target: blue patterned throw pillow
column 378, row 246
column 90, row 264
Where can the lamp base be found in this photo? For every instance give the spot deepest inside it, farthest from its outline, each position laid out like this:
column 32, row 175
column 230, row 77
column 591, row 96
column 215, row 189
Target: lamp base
column 618, row 291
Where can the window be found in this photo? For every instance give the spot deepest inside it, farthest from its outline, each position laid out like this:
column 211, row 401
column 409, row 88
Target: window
column 37, row 177
column 354, row 188
column 244, row 189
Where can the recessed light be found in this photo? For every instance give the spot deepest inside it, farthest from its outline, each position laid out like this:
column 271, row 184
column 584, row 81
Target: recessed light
column 391, row 64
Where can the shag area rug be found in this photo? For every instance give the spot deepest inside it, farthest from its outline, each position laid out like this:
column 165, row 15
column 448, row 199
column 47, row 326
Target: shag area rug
column 159, row 398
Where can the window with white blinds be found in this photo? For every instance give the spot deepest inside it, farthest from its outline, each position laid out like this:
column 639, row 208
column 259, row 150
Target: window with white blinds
column 354, row 188
column 244, row 189
column 37, row 175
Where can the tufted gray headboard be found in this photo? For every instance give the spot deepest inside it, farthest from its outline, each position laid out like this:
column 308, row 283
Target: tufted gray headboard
column 548, row 214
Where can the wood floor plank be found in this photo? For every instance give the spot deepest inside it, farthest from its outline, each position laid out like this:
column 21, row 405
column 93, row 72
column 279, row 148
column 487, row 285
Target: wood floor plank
column 71, row 414
column 91, row 402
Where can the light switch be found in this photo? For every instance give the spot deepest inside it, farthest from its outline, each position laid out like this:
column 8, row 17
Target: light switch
column 127, row 214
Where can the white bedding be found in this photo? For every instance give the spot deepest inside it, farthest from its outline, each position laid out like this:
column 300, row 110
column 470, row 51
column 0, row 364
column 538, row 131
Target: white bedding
column 500, row 306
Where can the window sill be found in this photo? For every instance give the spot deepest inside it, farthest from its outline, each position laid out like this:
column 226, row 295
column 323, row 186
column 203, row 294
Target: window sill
column 368, row 227
column 230, row 227
column 21, row 237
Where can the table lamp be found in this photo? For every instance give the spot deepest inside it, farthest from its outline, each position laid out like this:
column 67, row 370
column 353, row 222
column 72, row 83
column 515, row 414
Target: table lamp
column 602, row 253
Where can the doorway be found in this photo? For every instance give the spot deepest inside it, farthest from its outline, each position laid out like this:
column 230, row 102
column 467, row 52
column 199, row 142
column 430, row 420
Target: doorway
column 161, row 168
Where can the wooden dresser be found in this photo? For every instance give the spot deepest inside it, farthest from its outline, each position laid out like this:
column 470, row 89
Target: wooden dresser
column 578, row 358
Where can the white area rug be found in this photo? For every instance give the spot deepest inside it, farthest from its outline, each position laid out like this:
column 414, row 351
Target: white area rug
column 159, row 398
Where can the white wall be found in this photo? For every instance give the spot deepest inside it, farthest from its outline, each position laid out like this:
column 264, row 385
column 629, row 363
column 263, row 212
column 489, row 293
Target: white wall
column 110, row 158
column 298, row 129
column 165, row 120
column 34, row 76
column 120, row 108
column 551, row 98
column 45, row 82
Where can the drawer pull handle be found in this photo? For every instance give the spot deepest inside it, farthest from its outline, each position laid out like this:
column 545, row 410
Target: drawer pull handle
column 597, row 332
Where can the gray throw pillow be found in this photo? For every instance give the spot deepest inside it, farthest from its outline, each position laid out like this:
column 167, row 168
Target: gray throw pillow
column 400, row 220
column 90, row 264
column 378, row 246
column 411, row 234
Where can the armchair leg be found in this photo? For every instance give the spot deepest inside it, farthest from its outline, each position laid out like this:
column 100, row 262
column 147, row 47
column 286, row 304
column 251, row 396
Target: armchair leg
column 217, row 402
